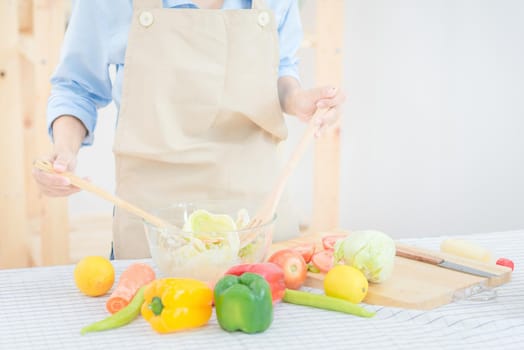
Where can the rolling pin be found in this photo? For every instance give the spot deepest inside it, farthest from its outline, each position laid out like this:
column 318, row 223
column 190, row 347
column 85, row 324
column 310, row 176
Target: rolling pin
column 465, row 249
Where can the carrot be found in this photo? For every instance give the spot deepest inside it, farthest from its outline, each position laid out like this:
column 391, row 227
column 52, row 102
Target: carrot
column 134, row 277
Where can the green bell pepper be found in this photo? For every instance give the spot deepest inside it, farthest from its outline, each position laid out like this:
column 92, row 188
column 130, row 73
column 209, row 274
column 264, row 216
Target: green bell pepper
column 243, row 303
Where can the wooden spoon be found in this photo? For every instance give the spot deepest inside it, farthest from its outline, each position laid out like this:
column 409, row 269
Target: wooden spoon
column 119, row 202
column 267, row 211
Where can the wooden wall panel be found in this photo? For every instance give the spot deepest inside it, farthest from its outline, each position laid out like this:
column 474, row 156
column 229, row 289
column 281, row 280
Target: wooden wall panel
column 326, row 183
column 13, row 232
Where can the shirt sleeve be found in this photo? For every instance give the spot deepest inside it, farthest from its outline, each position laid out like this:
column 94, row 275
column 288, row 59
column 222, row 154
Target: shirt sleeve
column 81, row 83
column 290, row 38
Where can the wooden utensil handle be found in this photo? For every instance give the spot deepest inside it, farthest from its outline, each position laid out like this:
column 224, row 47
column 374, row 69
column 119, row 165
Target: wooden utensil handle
column 88, row 186
column 415, row 254
column 295, row 157
column 270, row 204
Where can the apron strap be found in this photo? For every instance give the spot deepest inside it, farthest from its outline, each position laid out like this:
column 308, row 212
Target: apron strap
column 147, row 4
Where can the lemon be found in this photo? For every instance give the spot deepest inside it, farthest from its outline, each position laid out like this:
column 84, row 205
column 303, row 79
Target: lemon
column 202, row 221
column 346, row 282
column 94, row 275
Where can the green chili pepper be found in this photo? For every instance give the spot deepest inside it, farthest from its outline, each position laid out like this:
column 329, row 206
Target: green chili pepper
column 325, row 302
column 120, row 318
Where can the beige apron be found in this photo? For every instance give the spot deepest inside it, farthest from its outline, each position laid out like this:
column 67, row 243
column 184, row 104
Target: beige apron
column 200, row 116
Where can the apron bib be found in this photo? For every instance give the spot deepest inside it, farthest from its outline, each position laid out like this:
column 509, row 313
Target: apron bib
column 200, row 116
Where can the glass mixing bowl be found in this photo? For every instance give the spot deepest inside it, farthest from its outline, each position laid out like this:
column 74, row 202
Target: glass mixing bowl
column 179, row 252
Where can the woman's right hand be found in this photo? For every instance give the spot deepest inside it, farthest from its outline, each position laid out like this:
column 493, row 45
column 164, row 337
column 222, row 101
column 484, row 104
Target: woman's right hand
column 54, row 185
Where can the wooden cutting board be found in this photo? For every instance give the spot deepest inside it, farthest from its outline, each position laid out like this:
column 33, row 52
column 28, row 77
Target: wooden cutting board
column 413, row 284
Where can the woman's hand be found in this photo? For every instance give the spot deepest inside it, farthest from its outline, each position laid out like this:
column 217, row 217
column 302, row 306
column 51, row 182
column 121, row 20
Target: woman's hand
column 68, row 134
column 54, row 185
column 303, row 103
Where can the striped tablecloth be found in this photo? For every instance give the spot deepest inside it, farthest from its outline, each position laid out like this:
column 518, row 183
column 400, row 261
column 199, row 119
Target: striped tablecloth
column 40, row 308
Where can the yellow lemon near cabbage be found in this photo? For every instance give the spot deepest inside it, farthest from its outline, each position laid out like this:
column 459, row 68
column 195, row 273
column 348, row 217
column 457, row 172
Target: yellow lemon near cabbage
column 94, row 275
column 346, row 282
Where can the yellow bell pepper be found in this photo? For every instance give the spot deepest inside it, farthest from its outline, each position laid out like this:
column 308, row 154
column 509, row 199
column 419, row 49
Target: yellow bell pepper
column 173, row 304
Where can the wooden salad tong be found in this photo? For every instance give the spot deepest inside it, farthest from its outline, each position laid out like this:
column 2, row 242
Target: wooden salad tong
column 268, row 208
column 119, row 202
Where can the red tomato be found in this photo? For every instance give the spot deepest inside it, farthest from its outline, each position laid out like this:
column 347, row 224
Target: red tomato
column 306, row 250
column 323, row 260
column 506, row 262
column 294, row 266
column 328, row 242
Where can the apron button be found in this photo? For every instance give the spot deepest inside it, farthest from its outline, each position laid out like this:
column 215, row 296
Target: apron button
column 145, row 18
column 263, row 19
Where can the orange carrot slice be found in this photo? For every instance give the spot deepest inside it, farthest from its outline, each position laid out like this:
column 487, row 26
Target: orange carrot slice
column 134, row 277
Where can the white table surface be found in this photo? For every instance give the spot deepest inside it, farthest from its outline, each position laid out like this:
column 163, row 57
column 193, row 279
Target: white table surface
column 40, row 308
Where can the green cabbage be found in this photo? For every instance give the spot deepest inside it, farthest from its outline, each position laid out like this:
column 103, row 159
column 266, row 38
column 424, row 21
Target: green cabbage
column 372, row 252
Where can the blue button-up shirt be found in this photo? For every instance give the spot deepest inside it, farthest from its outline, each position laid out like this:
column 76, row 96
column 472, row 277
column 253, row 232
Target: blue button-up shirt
column 96, row 39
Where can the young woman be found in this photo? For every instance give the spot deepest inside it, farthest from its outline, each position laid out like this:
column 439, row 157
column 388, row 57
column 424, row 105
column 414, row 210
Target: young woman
column 200, row 87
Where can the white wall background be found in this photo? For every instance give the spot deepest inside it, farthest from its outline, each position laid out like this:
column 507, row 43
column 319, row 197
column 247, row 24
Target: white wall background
column 433, row 132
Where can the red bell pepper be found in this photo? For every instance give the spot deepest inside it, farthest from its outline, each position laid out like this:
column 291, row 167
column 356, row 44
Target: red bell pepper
column 272, row 273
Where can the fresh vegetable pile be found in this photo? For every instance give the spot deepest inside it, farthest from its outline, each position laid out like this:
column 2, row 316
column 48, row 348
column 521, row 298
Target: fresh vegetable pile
column 245, row 296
